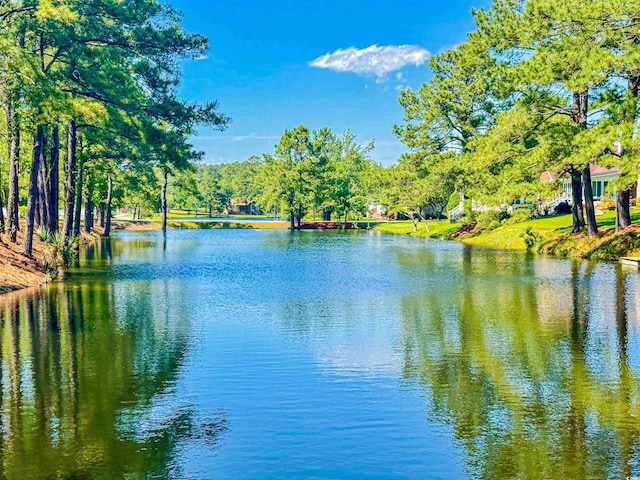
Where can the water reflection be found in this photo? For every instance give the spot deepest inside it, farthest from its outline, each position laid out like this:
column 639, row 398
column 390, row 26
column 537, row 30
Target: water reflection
column 320, row 349
column 529, row 361
column 87, row 383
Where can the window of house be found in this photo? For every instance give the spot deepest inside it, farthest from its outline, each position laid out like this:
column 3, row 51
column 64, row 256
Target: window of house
column 597, row 189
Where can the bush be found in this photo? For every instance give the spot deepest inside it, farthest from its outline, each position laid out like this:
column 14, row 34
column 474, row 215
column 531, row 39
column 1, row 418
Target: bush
column 42, row 233
column 70, row 250
column 530, row 238
column 519, row 215
column 454, row 201
column 489, row 219
column 562, row 208
column 493, row 225
column 607, row 204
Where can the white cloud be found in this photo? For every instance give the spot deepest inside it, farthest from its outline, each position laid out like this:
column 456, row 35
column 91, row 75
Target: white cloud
column 374, row 60
column 201, row 57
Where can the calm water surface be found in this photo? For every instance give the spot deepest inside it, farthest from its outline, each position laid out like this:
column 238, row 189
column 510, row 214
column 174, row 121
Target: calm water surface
column 240, row 354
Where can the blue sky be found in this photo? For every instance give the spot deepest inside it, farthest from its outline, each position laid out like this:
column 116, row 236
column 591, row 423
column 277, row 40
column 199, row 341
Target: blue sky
column 273, row 65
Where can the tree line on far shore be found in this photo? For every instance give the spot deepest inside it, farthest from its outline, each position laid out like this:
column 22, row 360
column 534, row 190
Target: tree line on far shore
column 539, row 86
column 90, row 110
column 91, row 121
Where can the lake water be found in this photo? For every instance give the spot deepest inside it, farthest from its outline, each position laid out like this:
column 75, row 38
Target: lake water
column 241, row 354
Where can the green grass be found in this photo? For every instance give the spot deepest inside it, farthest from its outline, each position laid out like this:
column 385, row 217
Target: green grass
column 206, row 225
column 437, row 228
column 552, row 235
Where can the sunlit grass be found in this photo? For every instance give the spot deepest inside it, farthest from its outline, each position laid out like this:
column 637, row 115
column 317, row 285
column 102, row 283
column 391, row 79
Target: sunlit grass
column 436, row 228
column 552, row 232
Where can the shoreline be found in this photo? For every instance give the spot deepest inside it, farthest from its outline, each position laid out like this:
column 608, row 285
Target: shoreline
column 546, row 235
column 19, row 272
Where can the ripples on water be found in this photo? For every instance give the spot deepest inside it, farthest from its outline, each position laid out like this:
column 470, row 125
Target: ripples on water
column 256, row 354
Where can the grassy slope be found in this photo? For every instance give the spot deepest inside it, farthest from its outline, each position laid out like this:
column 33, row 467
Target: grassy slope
column 554, row 236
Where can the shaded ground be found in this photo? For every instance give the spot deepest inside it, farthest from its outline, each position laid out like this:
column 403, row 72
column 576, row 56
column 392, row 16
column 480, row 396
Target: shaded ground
column 16, row 269
column 19, row 271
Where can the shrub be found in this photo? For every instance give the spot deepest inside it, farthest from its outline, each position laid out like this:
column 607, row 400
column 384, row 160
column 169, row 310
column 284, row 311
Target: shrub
column 68, row 252
column 519, row 215
column 454, row 201
column 42, row 233
column 489, row 218
column 493, row 225
column 530, row 238
column 607, row 204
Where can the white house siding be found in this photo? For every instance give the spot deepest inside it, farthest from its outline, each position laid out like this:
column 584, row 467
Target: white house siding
column 599, row 185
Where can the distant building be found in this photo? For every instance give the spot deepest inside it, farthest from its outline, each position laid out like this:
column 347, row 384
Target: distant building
column 238, row 207
column 377, row 210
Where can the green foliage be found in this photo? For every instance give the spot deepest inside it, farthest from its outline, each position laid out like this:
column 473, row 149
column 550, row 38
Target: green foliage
column 454, row 201
column 540, row 86
column 519, row 215
column 42, row 233
column 530, row 238
column 315, row 172
column 489, row 219
column 113, row 68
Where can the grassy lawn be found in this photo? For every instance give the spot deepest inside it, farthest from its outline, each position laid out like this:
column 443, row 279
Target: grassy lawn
column 552, row 235
column 212, row 225
column 437, row 228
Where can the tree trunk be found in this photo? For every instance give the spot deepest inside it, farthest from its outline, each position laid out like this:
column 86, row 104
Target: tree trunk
column 2, row 225
column 101, row 213
column 107, row 222
column 299, row 217
column 54, row 180
column 163, row 200
column 38, row 144
column 592, row 225
column 578, row 117
column 88, row 214
column 576, row 209
column 78, row 202
column 42, row 213
column 70, row 187
column 623, row 215
column 13, row 127
column 292, row 218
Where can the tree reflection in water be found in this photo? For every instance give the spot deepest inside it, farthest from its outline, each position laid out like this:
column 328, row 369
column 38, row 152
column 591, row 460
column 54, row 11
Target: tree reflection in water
column 87, row 377
column 530, row 365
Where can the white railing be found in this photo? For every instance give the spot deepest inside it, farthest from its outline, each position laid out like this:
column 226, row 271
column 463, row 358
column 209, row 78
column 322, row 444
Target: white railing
column 553, row 204
column 455, row 213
